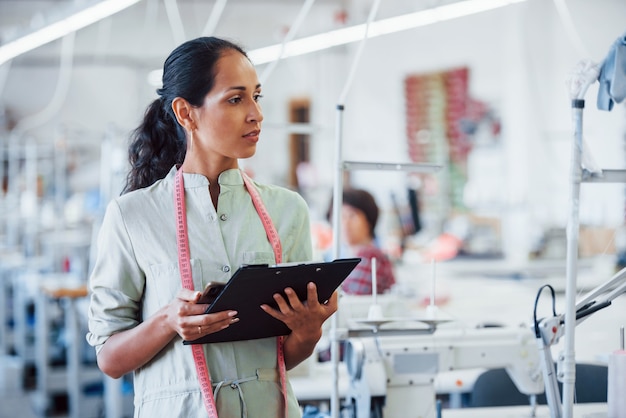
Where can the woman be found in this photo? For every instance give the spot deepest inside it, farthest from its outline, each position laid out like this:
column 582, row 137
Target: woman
column 207, row 117
column 359, row 215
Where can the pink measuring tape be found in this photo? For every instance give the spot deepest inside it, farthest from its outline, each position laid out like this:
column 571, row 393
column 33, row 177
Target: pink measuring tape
column 185, row 273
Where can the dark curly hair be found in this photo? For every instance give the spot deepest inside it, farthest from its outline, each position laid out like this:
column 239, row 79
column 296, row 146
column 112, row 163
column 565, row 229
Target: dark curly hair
column 160, row 142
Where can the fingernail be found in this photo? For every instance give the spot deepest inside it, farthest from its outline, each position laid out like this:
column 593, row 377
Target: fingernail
column 232, row 313
column 232, row 321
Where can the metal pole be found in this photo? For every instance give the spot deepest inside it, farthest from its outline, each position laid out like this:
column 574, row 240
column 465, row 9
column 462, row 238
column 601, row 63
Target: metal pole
column 337, row 203
column 568, row 373
column 336, row 221
column 585, row 75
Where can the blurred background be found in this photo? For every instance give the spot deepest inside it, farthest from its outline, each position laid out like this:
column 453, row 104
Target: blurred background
column 481, row 88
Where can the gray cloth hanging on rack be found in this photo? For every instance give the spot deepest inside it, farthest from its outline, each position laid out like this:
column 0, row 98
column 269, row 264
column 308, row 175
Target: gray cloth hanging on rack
column 612, row 77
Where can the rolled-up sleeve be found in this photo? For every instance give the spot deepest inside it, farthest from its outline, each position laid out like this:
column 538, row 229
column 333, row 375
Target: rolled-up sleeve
column 116, row 282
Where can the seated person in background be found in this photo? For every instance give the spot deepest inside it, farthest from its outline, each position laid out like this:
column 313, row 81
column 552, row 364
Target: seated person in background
column 359, row 215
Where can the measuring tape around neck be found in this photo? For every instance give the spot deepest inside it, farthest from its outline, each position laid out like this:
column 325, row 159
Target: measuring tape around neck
column 187, row 281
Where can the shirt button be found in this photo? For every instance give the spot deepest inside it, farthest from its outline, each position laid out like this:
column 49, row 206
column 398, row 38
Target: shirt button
column 223, row 217
column 225, row 269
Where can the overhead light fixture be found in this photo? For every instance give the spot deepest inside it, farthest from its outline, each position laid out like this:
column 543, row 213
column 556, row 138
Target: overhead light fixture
column 378, row 28
column 62, row 27
column 356, row 33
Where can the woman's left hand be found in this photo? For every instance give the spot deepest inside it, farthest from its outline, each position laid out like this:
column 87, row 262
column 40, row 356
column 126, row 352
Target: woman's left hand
column 304, row 319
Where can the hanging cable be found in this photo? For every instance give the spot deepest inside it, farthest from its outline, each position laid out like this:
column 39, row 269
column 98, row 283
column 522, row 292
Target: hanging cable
column 359, row 51
column 4, row 75
column 535, row 321
column 214, row 18
column 149, row 21
column 290, row 35
column 103, row 40
column 176, row 23
column 60, row 93
column 566, row 19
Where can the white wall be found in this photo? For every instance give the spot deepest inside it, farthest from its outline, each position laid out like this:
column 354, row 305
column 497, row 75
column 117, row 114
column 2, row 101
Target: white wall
column 519, row 58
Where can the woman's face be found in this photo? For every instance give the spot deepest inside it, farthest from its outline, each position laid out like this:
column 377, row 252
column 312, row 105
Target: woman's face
column 228, row 123
column 355, row 227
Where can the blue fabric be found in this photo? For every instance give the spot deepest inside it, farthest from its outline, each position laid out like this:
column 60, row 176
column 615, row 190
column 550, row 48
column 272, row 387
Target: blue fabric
column 311, row 411
column 612, row 76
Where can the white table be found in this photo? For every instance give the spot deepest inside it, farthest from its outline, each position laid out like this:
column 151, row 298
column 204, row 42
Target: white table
column 590, row 410
column 475, row 295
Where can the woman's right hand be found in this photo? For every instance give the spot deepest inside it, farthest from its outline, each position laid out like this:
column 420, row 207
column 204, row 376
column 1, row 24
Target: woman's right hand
column 128, row 350
column 187, row 317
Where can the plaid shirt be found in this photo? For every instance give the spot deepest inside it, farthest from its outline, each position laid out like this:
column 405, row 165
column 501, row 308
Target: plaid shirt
column 359, row 282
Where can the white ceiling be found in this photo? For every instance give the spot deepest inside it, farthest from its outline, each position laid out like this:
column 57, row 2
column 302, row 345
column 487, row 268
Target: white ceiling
column 145, row 33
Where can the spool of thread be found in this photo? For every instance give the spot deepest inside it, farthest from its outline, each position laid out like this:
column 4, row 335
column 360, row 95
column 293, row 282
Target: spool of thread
column 616, row 387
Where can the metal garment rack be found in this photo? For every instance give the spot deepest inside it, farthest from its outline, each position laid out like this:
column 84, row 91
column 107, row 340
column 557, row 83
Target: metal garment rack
column 575, row 312
column 341, row 166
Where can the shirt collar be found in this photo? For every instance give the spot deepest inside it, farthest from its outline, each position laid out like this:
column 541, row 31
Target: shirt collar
column 231, row 177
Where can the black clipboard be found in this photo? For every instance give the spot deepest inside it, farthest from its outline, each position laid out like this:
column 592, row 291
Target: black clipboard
column 254, row 285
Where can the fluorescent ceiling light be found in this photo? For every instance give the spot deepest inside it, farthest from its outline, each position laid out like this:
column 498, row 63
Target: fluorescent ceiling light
column 381, row 27
column 58, row 29
column 356, row 33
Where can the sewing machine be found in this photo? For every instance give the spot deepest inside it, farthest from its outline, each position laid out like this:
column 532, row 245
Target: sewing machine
column 392, row 371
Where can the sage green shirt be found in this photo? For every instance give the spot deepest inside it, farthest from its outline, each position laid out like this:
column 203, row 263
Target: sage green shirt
column 136, row 273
